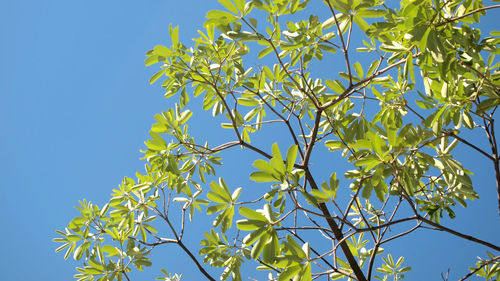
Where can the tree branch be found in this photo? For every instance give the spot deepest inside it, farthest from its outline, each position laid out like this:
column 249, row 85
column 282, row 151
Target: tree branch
column 193, row 258
column 360, row 276
column 479, row 268
column 456, row 233
column 468, row 14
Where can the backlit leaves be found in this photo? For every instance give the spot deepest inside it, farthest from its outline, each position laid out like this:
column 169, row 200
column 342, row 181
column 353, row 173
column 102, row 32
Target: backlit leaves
column 395, row 114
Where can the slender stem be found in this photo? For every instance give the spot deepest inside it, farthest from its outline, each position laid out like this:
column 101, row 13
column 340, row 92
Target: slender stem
column 468, row 14
column 489, row 128
column 496, row 164
column 372, row 259
column 456, row 233
column 193, row 258
column 471, row 145
column 344, row 218
column 351, row 88
column 402, row 234
column 479, row 268
column 322, row 257
column 338, row 233
column 294, row 136
column 481, row 75
column 372, row 228
column 310, row 146
column 344, row 46
column 256, row 149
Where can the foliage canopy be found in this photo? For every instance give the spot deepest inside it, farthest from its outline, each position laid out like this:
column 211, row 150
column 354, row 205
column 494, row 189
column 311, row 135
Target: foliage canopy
column 426, row 74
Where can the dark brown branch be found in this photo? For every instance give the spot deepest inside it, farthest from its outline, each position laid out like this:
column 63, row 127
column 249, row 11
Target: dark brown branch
column 496, row 162
column 479, row 268
column 471, row 145
column 456, row 233
column 344, row 47
column 193, row 258
column 402, row 234
column 256, row 149
column 351, row 260
column 489, row 128
column 310, row 146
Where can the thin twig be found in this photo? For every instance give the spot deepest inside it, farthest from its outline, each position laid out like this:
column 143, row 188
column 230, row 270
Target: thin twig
column 468, row 14
column 479, row 268
column 456, row 233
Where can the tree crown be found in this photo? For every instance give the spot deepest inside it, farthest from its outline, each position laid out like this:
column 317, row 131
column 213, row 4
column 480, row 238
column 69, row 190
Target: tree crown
column 392, row 108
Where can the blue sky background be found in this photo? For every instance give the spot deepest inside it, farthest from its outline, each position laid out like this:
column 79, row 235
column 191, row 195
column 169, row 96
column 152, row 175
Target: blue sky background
column 76, row 107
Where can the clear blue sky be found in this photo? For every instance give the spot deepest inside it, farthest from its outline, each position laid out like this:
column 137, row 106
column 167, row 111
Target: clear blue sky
column 76, row 107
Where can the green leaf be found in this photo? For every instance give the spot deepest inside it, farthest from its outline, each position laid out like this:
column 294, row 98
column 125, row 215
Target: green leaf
column 78, row 253
column 240, row 4
column 184, row 117
column 289, row 273
column 334, row 145
column 221, row 191
column 393, row 47
column 236, row 193
column 271, row 248
column 368, row 162
column 253, row 22
column 263, row 166
column 359, row 70
column 306, row 273
column 435, row 46
column 327, row 48
column 74, row 237
column 488, row 104
column 320, row 195
column 250, row 101
column 220, row 17
column 381, row 190
column 216, row 208
column 157, row 75
column 424, row 104
column 420, row 34
column 248, row 225
column 367, row 191
column 371, row 13
column 334, row 185
column 63, row 246
column 277, row 162
column 291, row 156
column 174, row 35
column 261, row 243
column 260, row 176
column 254, row 236
column 264, row 52
column 251, row 214
column 229, row 5
column 468, row 122
column 69, row 251
column 361, row 23
column 335, row 85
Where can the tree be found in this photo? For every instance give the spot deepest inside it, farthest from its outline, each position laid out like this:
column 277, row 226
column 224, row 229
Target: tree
column 427, row 77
